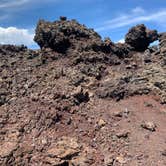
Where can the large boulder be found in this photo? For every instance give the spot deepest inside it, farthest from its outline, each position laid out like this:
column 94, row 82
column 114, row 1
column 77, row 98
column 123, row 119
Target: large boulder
column 61, row 34
column 139, row 37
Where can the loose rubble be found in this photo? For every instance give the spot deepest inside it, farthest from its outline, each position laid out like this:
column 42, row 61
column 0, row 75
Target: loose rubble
column 80, row 100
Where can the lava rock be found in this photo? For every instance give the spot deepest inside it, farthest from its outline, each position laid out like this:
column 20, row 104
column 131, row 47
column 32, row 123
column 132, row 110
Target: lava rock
column 149, row 126
column 60, row 35
column 123, row 134
column 101, row 123
column 80, row 95
column 139, row 37
column 2, row 100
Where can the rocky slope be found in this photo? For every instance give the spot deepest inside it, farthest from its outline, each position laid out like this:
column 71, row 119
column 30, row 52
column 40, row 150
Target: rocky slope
column 82, row 101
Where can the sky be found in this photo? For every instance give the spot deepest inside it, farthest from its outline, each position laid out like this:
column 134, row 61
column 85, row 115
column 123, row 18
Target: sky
column 110, row 18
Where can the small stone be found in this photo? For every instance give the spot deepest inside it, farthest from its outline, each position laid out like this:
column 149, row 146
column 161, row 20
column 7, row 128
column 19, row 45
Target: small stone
column 91, row 94
column 128, row 66
column 101, row 123
column 34, row 97
column 44, row 141
column 149, row 126
column 148, row 104
column 122, row 134
column 164, row 153
column 7, row 148
column 69, row 121
column 118, row 114
column 80, row 95
column 121, row 159
column 2, row 100
column 114, row 138
column 124, row 113
column 109, row 160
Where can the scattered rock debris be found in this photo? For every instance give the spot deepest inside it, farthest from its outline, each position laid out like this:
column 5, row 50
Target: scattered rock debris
column 78, row 100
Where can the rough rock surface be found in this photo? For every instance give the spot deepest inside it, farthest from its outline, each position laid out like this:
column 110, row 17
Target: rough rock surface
column 162, row 40
column 139, row 37
column 83, row 106
column 60, row 35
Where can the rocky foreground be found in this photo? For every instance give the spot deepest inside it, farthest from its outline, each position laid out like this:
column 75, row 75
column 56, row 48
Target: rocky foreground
column 82, row 101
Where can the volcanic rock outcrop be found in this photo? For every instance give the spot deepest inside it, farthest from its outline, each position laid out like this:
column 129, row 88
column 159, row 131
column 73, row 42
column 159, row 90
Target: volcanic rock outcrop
column 139, row 37
column 59, row 35
column 81, row 100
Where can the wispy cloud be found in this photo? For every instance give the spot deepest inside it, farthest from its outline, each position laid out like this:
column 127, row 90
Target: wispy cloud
column 13, row 35
column 11, row 8
column 6, row 4
column 15, row 3
column 135, row 16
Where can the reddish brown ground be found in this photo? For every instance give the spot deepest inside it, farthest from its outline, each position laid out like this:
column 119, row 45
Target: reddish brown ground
column 56, row 112
column 104, row 142
column 82, row 101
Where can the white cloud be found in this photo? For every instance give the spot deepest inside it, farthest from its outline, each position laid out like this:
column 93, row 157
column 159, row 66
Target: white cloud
column 13, row 35
column 121, row 41
column 14, row 4
column 10, row 4
column 134, row 17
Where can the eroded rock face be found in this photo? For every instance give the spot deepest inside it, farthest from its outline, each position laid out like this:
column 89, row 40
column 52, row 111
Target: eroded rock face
column 139, row 37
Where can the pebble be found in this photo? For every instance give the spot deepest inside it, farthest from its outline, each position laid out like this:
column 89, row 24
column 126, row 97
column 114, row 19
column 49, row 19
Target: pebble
column 122, row 134
column 101, row 123
column 149, row 126
column 164, row 153
column 121, row 159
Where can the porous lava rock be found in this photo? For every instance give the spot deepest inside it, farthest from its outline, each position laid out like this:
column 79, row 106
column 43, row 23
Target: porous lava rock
column 139, row 37
column 61, row 34
column 81, row 100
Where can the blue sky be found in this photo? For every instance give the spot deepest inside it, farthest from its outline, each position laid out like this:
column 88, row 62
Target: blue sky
column 109, row 18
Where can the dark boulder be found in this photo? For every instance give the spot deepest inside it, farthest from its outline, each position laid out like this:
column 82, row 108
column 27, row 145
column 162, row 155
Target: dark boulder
column 139, row 37
column 59, row 35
